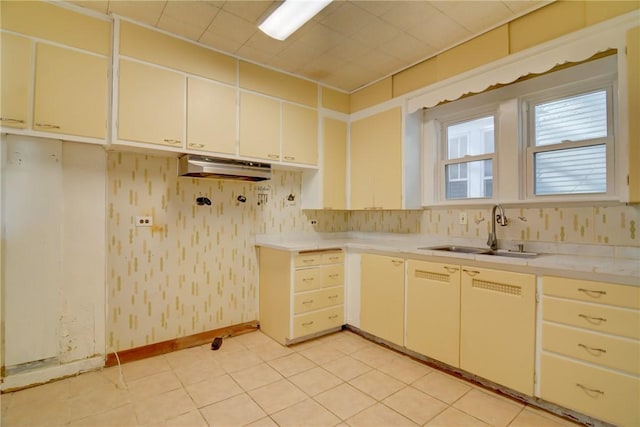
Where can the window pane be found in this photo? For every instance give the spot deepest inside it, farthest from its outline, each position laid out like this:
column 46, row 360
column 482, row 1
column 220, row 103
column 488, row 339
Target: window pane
column 571, row 171
column 575, row 118
column 474, row 180
column 471, row 138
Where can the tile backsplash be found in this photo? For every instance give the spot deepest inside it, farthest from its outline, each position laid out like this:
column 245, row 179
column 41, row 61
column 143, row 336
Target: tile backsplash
column 195, row 269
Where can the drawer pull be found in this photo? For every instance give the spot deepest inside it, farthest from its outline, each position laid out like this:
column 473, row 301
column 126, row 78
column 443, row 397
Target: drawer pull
column 308, row 279
column 9, row 119
column 172, row 141
column 289, row 158
column 592, row 349
column 309, row 301
column 450, row 269
column 334, row 258
column 194, row 145
column 308, row 260
column 333, row 276
column 589, row 291
column 590, row 390
column 307, row 323
column 471, row 273
column 273, row 156
column 592, row 319
column 396, row 262
column 47, row 125
column 333, row 296
column 335, row 316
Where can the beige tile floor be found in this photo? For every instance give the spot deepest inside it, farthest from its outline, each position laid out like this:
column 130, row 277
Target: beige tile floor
column 340, row 379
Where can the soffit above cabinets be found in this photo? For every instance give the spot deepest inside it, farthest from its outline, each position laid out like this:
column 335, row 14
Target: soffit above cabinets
column 348, row 45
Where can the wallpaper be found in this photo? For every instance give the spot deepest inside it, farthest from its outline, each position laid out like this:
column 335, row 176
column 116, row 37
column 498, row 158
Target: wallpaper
column 195, row 269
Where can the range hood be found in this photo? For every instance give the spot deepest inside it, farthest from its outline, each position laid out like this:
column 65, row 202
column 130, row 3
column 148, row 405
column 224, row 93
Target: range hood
column 195, row 166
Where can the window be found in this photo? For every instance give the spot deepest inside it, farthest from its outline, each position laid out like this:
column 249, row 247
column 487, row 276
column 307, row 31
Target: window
column 568, row 143
column 468, row 163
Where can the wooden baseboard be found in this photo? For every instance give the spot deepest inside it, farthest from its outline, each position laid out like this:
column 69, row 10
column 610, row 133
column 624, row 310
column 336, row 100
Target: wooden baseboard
column 164, row 347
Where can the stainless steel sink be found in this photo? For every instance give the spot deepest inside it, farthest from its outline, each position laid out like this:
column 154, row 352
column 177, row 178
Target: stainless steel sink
column 459, row 249
column 481, row 251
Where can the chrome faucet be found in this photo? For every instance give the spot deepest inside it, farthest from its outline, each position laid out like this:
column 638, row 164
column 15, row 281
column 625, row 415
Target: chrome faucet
column 501, row 219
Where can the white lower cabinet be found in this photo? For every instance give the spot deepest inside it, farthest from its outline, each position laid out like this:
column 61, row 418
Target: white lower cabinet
column 590, row 359
column 301, row 294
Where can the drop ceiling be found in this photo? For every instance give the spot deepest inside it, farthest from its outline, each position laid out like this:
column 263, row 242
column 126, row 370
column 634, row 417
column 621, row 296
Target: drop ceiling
column 348, row 45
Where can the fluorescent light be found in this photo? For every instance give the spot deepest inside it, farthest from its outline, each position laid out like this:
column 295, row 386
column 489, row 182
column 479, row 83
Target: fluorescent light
column 291, row 15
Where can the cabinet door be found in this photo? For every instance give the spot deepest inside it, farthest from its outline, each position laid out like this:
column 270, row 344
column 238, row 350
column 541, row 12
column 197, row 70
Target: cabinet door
column 334, row 180
column 70, row 92
column 382, row 297
column 633, row 92
column 497, row 326
column 433, row 310
column 376, row 161
column 150, row 104
column 211, row 116
column 299, row 134
column 259, row 126
column 15, row 75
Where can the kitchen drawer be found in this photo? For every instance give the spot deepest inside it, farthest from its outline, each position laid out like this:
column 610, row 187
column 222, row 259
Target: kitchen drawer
column 316, row 300
column 618, row 321
column 598, row 292
column 311, row 323
column 307, row 279
column 333, row 257
column 308, row 259
column 333, row 275
column 598, row 392
column 605, row 350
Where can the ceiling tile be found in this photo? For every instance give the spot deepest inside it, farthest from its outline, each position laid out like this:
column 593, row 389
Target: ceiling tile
column 97, row 5
column 268, row 46
column 408, row 14
column 376, row 7
column 318, row 36
column 376, row 32
column 188, row 18
column 230, row 26
column 294, row 57
column 381, row 62
column 221, row 42
column 475, row 16
column 407, row 48
column 347, row 20
column 348, row 49
column 440, row 32
column 521, row 6
column 252, row 11
column 147, row 12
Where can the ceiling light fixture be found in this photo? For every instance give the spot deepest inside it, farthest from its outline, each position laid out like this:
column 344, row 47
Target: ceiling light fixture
column 291, row 15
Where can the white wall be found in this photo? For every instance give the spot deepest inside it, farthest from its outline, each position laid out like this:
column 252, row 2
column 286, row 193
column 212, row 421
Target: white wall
column 53, row 234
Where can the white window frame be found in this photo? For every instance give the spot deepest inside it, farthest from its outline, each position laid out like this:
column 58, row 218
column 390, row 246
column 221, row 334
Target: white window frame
column 607, row 84
column 512, row 169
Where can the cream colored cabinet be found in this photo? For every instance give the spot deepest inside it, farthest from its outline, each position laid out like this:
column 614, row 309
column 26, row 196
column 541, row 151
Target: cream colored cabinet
column 590, row 358
column 433, row 310
column 299, row 134
column 301, row 295
column 259, row 126
column 497, row 326
column 382, row 297
column 334, row 164
column 70, row 92
column 376, row 161
column 633, row 92
column 150, row 104
column 212, row 116
column 15, row 75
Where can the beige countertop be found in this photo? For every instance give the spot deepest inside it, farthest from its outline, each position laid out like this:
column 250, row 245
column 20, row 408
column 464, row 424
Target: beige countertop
column 590, row 262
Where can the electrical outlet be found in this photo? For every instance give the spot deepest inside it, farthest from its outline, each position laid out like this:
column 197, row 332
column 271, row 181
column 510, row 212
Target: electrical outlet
column 313, row 221
column 462, row 219
column 144, row 221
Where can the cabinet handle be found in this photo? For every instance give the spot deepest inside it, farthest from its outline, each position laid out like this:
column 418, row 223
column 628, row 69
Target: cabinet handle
column 471, row 273
column 9, row 119
column 47, row 125
column 592, row 319
column 373, row 208
column 307, row 323
column 172, row 141
column 335, row 316
column 333, row 276
column 591, row 349
column 289, row 158
column 273, row 156
column 333, row 296
column 589, row 291
column 334, row 258
column 450, row 269
column 308, row 279
column 308, row 260
column 589, row 390
column 194, row 145
column 396, row 262
column 309, row 301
